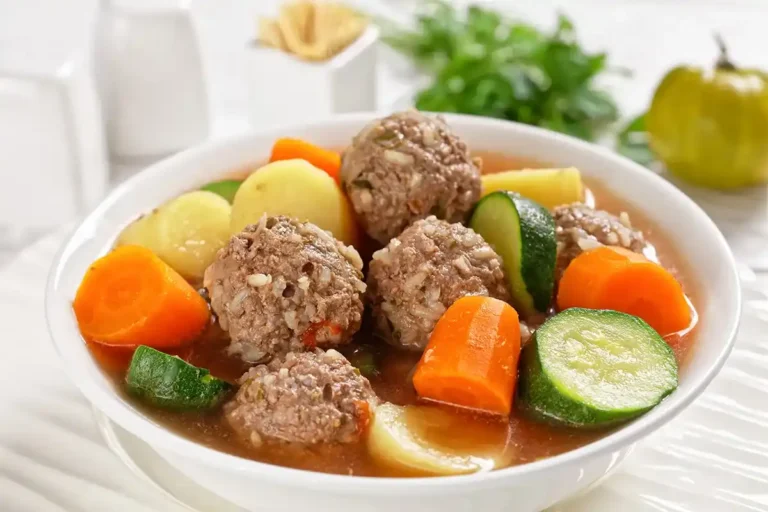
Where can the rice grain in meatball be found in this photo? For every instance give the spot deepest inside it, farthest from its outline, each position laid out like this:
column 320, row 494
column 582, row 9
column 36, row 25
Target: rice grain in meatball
column 307, row 398
column 283, row 285
column 579, row 227
column 413, row 280
column 405, row 167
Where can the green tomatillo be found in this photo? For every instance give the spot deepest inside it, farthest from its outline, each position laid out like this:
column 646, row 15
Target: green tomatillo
column 710, row 126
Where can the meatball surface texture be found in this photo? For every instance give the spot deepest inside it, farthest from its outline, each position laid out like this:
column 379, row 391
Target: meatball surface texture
column 579, row 227
column 306, row 397
column 406, row 167
column 418, row 275
column 283, row 285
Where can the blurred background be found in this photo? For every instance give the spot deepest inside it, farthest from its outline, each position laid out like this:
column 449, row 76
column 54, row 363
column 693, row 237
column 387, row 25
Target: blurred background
column 93, row 91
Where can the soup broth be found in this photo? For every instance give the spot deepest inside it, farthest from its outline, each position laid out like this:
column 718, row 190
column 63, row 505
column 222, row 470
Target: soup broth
column 521, row 438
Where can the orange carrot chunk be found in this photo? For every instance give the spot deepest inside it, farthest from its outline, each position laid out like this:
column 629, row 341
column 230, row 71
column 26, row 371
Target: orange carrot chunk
column 131, row 297
column 471, row 358
column 621, row 280
column 288, row 149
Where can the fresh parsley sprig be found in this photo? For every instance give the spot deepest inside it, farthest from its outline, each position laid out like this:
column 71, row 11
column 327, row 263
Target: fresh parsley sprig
column 484, row 63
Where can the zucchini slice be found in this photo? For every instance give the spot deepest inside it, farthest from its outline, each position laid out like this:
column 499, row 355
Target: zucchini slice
column 169, row 382
column 522, row 232
column 225, row 188
column 588, row 367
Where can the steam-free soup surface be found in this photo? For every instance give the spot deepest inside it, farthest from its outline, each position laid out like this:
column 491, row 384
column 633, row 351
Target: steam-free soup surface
column 523, row 439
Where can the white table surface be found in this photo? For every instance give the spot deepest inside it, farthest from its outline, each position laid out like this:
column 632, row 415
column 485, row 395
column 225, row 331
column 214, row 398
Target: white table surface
column 714, row 457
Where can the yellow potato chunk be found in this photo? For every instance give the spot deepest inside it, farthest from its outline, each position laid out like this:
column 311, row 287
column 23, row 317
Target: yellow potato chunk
column 297, row 189
column 186, row 232
column 548, row 187
column 191, row 229
column 421, row 440
column 141, row 232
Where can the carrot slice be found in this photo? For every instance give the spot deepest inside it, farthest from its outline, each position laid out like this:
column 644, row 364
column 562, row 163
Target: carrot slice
column 288, row 149
column 621, row 280
column 471, row 358
column 131, row 297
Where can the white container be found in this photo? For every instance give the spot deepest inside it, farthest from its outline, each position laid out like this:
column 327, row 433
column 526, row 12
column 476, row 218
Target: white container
column 52, row 157
column 283, row 89
column 150, row 77
column 525, row 488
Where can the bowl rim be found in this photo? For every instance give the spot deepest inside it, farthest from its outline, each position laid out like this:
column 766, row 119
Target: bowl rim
column 168, row 441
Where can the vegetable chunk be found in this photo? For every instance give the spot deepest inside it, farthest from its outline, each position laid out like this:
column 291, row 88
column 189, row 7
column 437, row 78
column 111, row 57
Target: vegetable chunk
column 589, row 367
column 169, row 382
column 422, row 440
column 471, row 358
column 522, row 232
column 131, row 297
column 186, row 232
column 224, row 188
column 324, row 159
column 298, row 189
column 622, row 280
column 548, row 187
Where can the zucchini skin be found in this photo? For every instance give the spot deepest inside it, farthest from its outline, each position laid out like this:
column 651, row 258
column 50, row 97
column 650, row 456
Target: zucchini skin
column 537, row 249
column 225, row 188
column 537, row 262
column 542, row 399
column 168, row 382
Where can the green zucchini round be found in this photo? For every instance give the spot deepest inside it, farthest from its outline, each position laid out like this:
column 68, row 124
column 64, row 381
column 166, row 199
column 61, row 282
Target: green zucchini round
column 169, row 382
column 594, row 367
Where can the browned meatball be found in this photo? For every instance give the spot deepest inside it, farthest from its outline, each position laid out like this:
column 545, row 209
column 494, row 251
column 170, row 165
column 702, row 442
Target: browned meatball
column 405, row 167
column 579, row 227
column 413, row 280
column 283, row 285
column 308, row 398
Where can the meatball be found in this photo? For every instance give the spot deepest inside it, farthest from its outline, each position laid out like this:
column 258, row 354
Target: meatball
column 422, row 272
column 405, row 167
column 307, row 398
column 579, row 227
column 283, row 285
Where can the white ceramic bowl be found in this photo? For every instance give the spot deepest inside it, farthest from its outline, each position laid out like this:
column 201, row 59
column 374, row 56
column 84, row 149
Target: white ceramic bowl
column 529, row 487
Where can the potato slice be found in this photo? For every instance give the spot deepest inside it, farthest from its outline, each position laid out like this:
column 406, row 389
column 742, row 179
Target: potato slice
column 548, row 187
column 297, row 189
column 186, row 232
column 190, row 230
column 142, row 231
column 421, row 440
